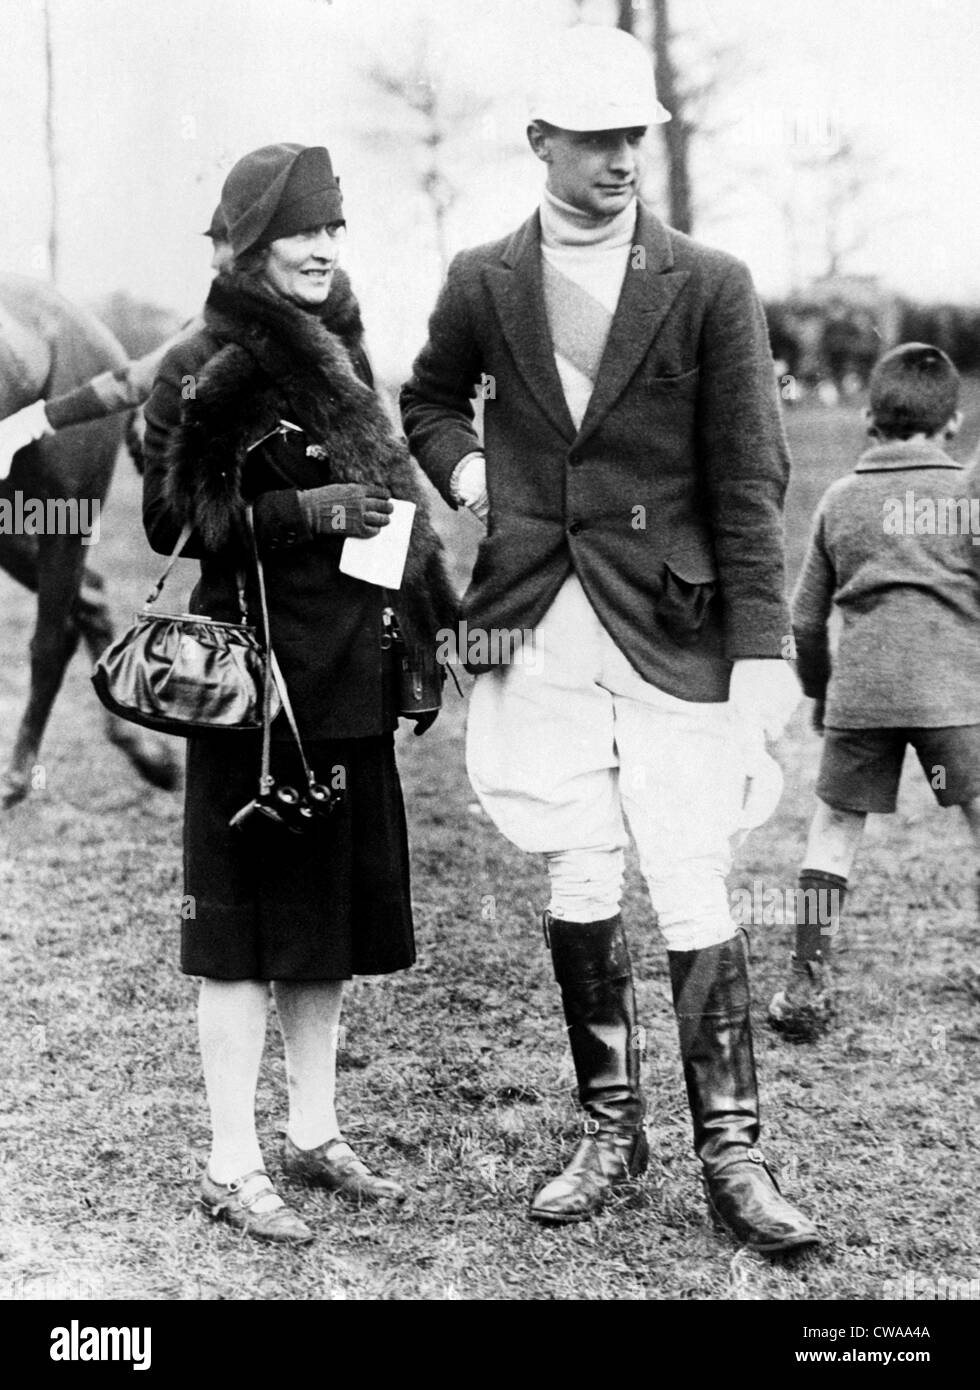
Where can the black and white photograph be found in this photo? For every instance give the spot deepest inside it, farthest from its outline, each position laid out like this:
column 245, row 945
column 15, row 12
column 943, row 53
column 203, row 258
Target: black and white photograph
column 490, row 662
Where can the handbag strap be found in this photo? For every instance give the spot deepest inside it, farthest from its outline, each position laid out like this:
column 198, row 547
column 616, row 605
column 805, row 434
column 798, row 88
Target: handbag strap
column 272, row 673
column 182, row 539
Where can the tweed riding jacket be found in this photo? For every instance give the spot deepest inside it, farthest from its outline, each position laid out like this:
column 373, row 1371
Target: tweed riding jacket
column 666, row 501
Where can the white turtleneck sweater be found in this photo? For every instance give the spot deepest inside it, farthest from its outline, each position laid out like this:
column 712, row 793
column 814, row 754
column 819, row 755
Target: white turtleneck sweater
column 584, row 263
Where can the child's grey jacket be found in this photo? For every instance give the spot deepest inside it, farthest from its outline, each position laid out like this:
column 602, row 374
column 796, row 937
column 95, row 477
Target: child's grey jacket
column 892, row 548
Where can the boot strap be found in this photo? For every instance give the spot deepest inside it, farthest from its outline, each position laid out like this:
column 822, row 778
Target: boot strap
column 591, row 1128
column 736, row 1156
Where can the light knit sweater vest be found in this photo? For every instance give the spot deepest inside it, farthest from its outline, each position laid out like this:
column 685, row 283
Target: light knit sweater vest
column 584, row 261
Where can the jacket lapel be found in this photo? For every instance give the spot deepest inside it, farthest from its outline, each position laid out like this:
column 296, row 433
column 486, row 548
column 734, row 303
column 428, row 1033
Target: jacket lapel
column 649, row 289
column 515, row 286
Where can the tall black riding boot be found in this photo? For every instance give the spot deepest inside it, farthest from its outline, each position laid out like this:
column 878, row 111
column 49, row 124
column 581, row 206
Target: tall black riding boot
column 711, row 1000
column 592, row 966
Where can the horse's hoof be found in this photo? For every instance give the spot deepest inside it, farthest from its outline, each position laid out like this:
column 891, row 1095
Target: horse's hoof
column 152, row 758
column 13, row 788
column 158, row 766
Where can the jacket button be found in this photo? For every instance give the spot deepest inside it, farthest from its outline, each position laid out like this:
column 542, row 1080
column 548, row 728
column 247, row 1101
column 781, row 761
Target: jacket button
column 575, row 527
column 574, row 458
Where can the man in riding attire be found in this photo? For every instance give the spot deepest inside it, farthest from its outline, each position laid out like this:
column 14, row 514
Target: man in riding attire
column 632, row 477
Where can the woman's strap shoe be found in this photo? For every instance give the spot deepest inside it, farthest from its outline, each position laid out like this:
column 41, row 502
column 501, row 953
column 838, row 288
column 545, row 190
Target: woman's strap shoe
column 251, row 1204
column 334, row 1165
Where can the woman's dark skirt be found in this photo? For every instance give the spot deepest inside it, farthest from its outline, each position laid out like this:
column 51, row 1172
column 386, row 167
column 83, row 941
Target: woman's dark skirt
column 269, row 904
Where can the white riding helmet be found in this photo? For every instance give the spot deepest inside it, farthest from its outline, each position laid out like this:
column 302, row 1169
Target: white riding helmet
column 594, row 77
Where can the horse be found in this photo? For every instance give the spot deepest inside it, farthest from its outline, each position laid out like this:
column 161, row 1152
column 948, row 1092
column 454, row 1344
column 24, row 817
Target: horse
column 49, row 346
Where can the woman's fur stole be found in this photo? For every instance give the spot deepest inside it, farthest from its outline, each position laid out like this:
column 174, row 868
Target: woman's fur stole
column 277, row 360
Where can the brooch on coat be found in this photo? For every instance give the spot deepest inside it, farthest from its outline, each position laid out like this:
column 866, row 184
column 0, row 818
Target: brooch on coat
column 284, row 428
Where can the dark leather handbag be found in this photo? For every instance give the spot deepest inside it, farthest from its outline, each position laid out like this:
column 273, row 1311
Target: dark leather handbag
column 186, row 674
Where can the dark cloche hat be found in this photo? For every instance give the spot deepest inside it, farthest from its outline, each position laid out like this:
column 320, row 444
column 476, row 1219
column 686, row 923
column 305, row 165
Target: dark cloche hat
column 277, row 191
column 218, row 230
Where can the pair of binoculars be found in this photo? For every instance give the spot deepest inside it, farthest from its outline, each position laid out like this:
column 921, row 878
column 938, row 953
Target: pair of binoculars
column 295, row 810
column 420, row 681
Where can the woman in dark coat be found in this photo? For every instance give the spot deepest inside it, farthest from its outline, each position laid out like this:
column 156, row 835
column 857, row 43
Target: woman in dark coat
column 282, row 342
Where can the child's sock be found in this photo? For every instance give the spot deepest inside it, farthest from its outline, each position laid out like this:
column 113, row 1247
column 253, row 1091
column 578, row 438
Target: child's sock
column 820, row 899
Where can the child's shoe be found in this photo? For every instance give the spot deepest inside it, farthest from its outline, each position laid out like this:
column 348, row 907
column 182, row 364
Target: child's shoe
column 804, row 1010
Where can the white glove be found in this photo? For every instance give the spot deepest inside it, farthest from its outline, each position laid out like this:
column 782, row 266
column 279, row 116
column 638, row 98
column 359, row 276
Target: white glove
column 763, row 694
column 762, row 784
column 470, row 485
column 19, row 430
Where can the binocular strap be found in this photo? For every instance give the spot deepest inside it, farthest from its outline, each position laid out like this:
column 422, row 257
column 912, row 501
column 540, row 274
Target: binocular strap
column 272, row 673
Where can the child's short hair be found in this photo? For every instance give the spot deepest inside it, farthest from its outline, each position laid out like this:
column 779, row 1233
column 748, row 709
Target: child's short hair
column 914, row 390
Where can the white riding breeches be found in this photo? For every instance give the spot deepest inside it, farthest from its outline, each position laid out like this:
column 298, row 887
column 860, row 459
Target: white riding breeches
column 569, row 744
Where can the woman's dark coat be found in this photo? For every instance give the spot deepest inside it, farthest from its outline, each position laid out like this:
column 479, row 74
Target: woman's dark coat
column 335, row 901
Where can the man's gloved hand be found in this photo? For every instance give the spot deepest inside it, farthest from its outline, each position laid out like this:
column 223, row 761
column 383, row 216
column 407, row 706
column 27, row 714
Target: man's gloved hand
column 345, row 509
column 19, row 430
column 764, row 692
column 470, row 485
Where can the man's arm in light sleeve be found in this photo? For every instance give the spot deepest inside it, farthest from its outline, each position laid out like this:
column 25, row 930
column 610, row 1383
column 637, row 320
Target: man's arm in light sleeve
column 123, row 389
column 436, row 401
column 745, row 464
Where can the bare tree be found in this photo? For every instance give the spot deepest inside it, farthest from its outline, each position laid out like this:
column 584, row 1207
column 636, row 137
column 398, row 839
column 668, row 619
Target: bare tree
column 849, row 175
column 441, row 116
column 50, row 145
column 678, row 130
column 688, row 73
column 835, row 193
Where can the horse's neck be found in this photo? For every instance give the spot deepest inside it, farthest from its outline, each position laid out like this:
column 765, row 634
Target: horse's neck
column 25, row 363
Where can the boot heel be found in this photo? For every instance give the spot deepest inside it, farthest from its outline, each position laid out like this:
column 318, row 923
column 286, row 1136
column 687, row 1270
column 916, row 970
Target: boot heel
column 640, row 1158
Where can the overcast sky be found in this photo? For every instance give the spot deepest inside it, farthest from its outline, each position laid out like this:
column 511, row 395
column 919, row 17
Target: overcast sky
column 156, row 98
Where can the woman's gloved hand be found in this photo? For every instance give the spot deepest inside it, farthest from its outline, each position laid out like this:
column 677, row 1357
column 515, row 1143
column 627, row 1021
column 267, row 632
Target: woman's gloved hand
column 345, row 509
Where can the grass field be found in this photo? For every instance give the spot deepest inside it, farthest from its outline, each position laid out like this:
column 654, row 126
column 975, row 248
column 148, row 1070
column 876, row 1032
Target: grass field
column 454, row 1075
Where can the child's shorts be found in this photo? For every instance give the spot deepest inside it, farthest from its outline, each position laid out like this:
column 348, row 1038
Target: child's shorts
column 860, row 768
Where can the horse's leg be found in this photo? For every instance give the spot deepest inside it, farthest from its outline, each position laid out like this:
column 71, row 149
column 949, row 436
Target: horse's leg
column 151, row 755
column 59, row 565
column 18, row 556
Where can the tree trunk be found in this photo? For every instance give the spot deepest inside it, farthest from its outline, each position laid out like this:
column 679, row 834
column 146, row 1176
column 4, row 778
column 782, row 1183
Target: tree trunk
column 50, row 144
column 676, row 132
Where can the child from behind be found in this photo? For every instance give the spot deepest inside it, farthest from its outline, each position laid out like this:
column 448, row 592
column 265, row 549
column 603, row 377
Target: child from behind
column 895, row 549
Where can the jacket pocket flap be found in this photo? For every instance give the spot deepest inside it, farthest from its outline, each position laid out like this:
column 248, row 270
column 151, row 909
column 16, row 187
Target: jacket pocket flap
column 682, row 383
column 694, row 565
